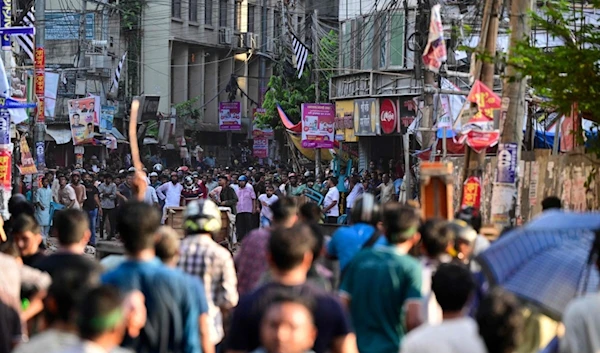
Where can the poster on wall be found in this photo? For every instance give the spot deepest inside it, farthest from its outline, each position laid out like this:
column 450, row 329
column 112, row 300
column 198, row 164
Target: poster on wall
column 506, row 169
column 4, row 127
column 84, row 119
column 5, row 170
column 260, row 148
column 318, row 123
column 27, row 166
column 230, row 116
column 366, row 120
column 107, row 115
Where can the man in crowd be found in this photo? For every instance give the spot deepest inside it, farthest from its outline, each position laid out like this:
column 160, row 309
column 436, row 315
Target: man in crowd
column 205, row 259
column 331, row 206
column 43, row 200
column 224, row 195
column 245, row 207
column 453, row 286
column 251, row 259
column 386, row 189
column 91, row 205
column 381, row 283
column 108, row 196
column 170, row 193
column 125, row 189
column 71, row 227
column 66, row 194
column 27, row 235
column 290, row 258
column 78, row 187
column 355, row 190
column 266, row 200
column 173, row 312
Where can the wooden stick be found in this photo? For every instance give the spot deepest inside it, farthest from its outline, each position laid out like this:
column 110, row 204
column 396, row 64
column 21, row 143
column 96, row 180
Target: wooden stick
column 133, row 142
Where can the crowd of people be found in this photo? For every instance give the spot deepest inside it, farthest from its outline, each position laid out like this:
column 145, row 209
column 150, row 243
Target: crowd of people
column 389, row 281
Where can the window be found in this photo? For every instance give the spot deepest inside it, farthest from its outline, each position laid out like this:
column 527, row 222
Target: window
column 277, row 24
column 367, row 52
column 223, row 13
column 193, row 16
column 345, row 49
column 176, row 8
column 299, row 25
column 238, row 15
column 391, row 51
column 383, row 38
column 251, row 10
column 208, row 12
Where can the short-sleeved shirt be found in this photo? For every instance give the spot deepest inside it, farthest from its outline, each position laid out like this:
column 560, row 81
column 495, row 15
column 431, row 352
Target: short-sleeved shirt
column 125, row 191
column 172, row 322
column 66, row 195
column 265, row 211
column 330, row 317
column 387, row 192
column 90, row 202
column 379, row 281
column 246, row 197
column 332, row 195
column 59, row 261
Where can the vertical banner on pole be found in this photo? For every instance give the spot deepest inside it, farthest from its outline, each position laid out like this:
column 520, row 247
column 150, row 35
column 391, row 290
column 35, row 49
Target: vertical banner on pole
column 5, row 22
column 40, row 83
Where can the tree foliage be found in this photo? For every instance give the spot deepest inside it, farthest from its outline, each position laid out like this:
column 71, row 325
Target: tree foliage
column 289, row 91
column 568, row 73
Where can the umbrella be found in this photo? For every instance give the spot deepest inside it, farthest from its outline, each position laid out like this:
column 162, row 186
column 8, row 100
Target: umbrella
column 546, row 261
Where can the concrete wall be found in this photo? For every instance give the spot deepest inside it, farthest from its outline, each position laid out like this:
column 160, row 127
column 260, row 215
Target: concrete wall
column 155, row 52
column 572, row 177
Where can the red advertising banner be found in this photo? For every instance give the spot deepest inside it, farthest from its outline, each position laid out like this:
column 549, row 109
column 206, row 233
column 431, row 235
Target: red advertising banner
column 39, row 83
column 5, row 169
column 472, row 193
column 27, row 163
column 487, row 101
column 261, row 148
column 388, row 116
column 479, row 141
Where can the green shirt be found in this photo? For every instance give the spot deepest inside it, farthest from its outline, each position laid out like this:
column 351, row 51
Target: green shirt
column 378, row 282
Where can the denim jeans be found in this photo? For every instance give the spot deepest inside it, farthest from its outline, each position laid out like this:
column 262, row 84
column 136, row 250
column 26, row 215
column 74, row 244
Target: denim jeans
column 264, row 222
column 93, row 216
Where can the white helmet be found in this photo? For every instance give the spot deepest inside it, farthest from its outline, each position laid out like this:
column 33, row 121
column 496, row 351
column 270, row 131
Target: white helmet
column 158, row 168
column 202, row 216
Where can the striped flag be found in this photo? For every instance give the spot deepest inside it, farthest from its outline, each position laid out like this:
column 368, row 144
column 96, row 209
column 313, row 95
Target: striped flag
column 300, row 54
column 27, row 42
column 115, row 84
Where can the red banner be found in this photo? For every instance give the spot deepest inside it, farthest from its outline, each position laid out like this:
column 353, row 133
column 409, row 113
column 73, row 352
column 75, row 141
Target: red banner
column 471, row 193
column 5, row 169
column 479, row 141
column 40, row 84
column 487, row 101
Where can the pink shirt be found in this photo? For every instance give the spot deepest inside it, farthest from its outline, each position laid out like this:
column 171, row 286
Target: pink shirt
column 246, row 197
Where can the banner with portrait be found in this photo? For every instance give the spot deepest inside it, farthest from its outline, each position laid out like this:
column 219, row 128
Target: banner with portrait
column 84, row 119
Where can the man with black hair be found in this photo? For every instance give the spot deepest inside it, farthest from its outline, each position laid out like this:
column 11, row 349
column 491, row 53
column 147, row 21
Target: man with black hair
column 290, row 255
column 551, row 203
column 172, row 322
column 436, row 241
column 501, row 325
column 71, row 227
column 251, row 258
column 27, row 234
column 108, row 198
column 331, row 207
column 68, row 289
column 382, row 283
column 453, row 286
column 101, row 322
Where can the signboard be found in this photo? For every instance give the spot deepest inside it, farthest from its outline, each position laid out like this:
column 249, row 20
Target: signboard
column 5, row 169
column 318, row 122
column 506, row 170
column 471, row 193
column 408, row 113
column 40, row 84
column 230, row 116
column 388, row 116
column 107, row 116
column 366, row 121
column 486, row 100
column 84, row 119
column 260, row 149
column 479, row 140
column 40, row 157
column 5, row 22
column 344, row 121
column 27, row 164
column 50, row 90
column 261, row 131
column 148, row 108
column 4, row 127
column 65, row 25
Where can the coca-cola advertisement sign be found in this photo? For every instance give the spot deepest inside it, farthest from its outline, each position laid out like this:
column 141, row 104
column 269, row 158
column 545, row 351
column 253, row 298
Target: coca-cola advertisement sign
column 388, row 115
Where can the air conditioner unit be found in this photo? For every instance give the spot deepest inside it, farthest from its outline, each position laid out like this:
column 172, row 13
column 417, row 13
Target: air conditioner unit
column 100, row 62
column 225, row 35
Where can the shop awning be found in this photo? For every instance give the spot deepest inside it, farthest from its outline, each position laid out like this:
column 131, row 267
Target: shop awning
column 60, row 135
column 118, row 135
column 150, row 141
column 18, row 116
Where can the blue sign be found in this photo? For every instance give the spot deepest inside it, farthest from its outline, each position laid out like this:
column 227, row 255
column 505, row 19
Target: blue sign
column 10, row 103
column 5, row 22
column 506, row 170
column 65, row 25
column 4, row 127
column 39, row 154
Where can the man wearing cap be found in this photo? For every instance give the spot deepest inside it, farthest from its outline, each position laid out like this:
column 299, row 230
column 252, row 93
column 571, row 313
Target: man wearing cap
column 246, row 206
column 293, row 189
column 154, row 182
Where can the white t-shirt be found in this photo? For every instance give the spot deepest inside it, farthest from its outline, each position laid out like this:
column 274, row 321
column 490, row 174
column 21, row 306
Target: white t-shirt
column 171, row 193
column 451, row 336
column 582, row 323
column 356, row 191
column 332, row 195
column 266, row 210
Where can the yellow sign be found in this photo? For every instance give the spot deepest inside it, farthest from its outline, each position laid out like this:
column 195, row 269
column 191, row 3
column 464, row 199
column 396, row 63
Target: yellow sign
column 344, row 118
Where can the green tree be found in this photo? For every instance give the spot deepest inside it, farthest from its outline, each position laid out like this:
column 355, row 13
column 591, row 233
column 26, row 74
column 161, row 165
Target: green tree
column 290, row 92
column 569, row 73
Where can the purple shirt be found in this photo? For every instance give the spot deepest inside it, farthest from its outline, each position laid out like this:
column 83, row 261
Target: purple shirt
column 246, row 197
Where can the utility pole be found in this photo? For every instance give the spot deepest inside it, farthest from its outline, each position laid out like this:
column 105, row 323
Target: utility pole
column 485, row 72
column 262, row 70
column 428, row 79
column 40, row 72
column 82, row 37
column 504, row 191
column 317, row 91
